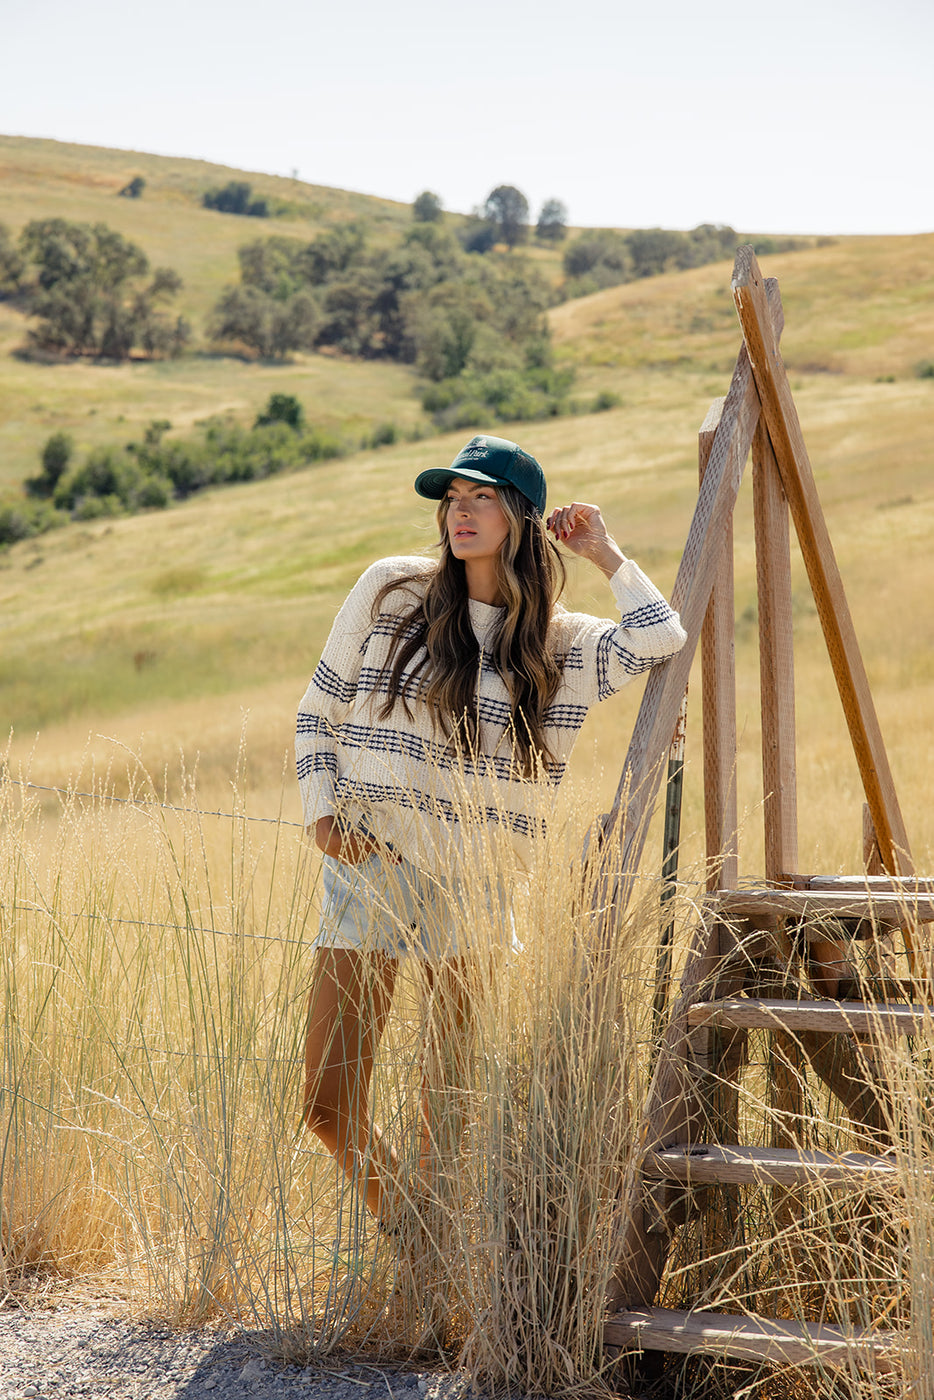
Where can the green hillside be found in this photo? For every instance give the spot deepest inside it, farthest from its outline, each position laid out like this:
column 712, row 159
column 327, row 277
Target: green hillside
column 102, row 403
column 165, row 630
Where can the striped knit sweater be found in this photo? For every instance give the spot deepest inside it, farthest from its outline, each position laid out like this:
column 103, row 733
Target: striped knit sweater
column 398, row 778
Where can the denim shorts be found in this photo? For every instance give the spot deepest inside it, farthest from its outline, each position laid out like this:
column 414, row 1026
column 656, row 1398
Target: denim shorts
column 382, row 906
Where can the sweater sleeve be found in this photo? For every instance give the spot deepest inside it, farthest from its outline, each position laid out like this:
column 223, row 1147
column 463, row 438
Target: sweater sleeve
column 327, row 701
column 340, row 675
column 602, row 656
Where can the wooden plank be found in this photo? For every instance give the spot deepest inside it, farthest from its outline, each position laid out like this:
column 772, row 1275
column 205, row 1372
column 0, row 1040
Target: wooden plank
column 834, row 1017
column 718, row 689
column 907, row 888
column 781, row 418
column 701, row 1164
column 776, row 659
column 776, row 1340
column 779, row 770
column 884, row 909
column 666, row 684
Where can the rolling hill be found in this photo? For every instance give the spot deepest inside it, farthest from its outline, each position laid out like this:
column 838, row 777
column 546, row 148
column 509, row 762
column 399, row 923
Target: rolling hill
column 168, row 631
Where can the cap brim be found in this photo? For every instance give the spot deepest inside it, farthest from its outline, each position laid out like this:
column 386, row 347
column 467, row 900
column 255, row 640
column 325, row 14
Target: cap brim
column 434, row 482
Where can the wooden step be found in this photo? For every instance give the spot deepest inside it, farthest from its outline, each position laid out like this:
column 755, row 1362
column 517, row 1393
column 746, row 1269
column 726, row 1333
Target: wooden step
column 884, row 910
column 852, row 1017
column 906, row 886
column 777, row 1340
column 700, row 1164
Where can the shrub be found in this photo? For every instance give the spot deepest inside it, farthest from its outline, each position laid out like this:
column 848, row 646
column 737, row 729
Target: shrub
column 427, row 208
column 98, row 507
column 504, row 394
column 55, row 457
column 236, row 198
column 552, row 223
column 270, row 326
column 12, row 265
column 108, row 474
column 282, row 408
column 384, row 435
column 151, row 474
column 155, row 493
column 603, row 257
column 653, row 250
column 507, row 211
column 21, row 520
column 186, row 466
column 477, row 235
column 925, row 370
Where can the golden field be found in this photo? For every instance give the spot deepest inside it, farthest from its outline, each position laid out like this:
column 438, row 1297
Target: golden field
column 156, row 959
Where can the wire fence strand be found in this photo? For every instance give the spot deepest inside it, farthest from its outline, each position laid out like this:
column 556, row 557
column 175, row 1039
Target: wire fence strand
column 29, row 907
column 151, row 802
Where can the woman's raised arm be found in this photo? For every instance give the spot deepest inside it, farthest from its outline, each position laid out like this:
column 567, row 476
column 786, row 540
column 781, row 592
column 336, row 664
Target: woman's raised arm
column 582, row 529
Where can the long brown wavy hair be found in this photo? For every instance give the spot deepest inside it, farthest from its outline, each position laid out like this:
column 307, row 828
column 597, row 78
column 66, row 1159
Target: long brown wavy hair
column 530, row 577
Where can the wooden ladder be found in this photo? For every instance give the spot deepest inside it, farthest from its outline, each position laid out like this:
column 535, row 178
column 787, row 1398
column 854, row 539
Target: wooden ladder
column 748, row 967
column 735, row 958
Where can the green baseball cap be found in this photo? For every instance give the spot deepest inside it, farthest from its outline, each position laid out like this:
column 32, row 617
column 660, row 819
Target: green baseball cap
column 492, row 460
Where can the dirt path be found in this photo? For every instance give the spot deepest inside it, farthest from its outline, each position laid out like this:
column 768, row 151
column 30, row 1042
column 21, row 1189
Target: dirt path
column 87, row 1352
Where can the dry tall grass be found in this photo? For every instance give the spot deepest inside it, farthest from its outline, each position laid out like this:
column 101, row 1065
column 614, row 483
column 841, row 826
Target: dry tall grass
column 156, row 968
column 156, row 972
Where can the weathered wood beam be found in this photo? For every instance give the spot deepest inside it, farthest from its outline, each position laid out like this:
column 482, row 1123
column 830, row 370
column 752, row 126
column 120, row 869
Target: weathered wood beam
column 907, row 888
column 718, row 689
column 781, row 418
column 776, row 660
column 779, row 773
column 840, row 1017
column 658, row 713
column 775, row 1340
column 886, row 909
column 707, row 1163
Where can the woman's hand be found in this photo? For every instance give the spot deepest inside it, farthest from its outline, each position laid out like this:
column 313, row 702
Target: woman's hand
column 581, row 527
column 349, row 847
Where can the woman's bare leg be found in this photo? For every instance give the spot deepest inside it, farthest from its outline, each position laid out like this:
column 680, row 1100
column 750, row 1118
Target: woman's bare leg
column 347, row 1011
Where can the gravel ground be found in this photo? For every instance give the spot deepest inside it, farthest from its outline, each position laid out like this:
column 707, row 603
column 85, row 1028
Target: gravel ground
column 86, row 1352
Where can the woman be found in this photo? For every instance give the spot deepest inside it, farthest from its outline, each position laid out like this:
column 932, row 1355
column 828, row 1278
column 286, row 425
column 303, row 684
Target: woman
column 448, row 693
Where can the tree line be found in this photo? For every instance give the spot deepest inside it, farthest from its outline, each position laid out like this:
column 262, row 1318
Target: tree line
column 448, row 299
column 602, row 258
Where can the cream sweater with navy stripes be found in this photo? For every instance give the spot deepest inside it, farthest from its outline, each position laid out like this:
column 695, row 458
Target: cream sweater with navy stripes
column 399, row 779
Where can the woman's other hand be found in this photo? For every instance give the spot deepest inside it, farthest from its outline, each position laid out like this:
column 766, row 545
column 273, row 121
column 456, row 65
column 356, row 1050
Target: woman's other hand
column 582, row 529
column 349, row 847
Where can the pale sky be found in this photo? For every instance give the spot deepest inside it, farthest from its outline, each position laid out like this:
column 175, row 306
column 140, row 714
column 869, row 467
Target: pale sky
column 799, row 116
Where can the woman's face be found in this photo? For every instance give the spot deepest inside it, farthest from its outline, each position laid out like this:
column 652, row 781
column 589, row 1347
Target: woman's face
column 476, row 524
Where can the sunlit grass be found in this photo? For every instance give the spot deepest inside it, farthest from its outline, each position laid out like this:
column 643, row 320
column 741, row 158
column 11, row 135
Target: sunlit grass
column 861, row 306
column 156, row 970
